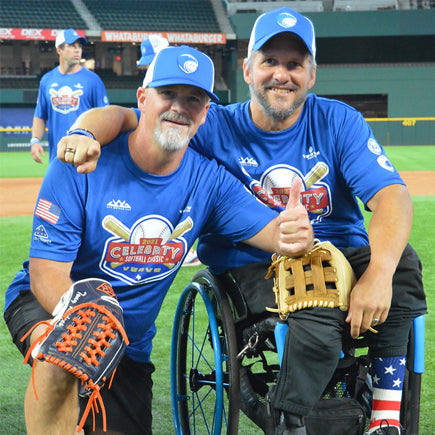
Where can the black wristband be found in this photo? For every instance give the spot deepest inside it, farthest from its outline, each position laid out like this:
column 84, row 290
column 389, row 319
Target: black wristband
column 81, row 131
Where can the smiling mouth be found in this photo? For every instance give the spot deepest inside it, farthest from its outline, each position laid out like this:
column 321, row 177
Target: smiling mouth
column 282, row 90
column 177, row 123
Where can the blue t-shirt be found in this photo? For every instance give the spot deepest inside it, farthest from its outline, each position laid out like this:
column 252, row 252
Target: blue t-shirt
column 134, row 229
column 63, row 97
column 331, row 148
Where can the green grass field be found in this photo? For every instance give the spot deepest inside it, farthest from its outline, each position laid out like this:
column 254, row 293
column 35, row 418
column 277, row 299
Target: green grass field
column 14, row 244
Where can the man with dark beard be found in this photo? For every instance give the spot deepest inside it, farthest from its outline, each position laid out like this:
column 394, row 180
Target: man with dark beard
column 131, row 222
column 281, row 135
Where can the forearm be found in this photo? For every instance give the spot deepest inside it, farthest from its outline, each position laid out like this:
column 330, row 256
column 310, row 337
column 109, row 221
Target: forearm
column 286, row 237
column 49, row 280
column 390, row 227
column 106, row 122
column 38, row 128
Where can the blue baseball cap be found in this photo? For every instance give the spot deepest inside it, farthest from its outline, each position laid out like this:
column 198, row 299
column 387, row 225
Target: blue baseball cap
column 181, row 65
column 278, row 21
column 149, row 47
column 69, row 36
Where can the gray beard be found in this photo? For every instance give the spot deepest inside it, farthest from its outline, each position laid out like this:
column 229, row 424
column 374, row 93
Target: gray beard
column 272, row 112
column 172, row 139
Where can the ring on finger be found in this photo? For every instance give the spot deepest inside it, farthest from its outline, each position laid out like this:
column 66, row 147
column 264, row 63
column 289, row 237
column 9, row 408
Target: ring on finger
column 375, row 321
column 70, row 150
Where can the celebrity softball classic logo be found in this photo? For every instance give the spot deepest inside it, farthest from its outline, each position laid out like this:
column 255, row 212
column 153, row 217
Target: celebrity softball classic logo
column 65, row 99
column 275, row 184
column 148, row 251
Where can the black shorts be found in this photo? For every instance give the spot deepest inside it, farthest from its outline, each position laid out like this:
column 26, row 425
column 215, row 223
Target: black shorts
column 127, row 403
column 24, row 312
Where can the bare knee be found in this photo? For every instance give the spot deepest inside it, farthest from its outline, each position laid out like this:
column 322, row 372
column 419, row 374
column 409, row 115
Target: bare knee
column 53, row 380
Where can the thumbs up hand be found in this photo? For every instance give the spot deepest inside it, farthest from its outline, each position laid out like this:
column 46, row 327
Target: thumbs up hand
column 296, row 234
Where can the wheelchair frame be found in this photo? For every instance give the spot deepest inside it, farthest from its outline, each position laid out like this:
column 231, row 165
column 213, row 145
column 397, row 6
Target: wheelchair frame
column 216, row 353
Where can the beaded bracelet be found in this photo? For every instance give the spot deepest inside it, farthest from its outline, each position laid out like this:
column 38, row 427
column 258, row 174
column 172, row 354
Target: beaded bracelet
column 34, row 140
column 81, row 131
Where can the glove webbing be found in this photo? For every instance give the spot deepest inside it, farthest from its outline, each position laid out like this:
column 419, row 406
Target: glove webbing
column 310, row 279
column 82, row 318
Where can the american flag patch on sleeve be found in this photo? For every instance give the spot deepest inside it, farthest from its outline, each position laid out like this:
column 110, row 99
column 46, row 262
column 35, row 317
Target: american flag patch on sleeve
column 48, row 211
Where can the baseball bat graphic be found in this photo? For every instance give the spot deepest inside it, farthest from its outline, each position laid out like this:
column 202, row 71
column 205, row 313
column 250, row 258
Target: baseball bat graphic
column 118, row 229
column 181, row 228
column 318, row 171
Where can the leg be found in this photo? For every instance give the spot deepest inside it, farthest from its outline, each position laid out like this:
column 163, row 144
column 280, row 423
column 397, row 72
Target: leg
column 388, row 348
column 56, row 409
column 312, row 350
column 128, row 401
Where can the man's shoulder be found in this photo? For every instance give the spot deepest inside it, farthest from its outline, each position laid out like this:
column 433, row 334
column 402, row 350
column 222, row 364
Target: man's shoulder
column 229, row 110
column 205, row 164
column 328, row 104
column 90, row 74
column 50, row 74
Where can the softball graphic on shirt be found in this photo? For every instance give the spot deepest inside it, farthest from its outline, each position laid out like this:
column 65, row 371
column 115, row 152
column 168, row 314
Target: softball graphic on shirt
column 150, row 250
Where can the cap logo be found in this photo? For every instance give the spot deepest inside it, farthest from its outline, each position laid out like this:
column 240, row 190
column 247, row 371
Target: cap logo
column 187, row 63
column 286, row 20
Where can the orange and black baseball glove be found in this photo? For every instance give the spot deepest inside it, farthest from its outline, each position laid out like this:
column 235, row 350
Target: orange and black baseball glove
column 86, row 337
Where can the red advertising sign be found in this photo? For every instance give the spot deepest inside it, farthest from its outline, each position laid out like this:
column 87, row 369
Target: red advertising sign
column 32, row 34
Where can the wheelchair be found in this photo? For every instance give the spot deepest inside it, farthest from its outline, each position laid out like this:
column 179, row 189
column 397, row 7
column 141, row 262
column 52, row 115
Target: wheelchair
column 224, row 359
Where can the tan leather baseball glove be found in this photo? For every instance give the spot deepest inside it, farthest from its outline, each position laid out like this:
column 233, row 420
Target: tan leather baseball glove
column 321, row 278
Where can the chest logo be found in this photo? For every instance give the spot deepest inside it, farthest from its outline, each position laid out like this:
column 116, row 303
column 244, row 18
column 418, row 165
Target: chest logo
column 148, row 251
column 65, row 100
column 274, row 187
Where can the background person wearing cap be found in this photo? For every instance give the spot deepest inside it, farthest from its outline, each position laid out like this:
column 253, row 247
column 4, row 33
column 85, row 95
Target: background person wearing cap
column 148, row 182
column 149, row 47
column 283, row 134
column 64, row 92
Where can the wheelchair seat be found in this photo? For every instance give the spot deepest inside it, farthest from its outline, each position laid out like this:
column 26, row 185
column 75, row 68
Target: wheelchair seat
column 225, row 359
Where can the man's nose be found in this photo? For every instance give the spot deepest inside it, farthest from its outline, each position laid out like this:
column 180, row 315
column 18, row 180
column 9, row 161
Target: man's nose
column 281, row 73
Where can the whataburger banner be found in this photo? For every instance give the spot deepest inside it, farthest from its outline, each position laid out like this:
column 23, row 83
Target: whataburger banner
column 116, row 36
column 172, row 37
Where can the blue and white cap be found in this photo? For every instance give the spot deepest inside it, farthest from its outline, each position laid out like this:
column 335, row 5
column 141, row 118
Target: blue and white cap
column 69, row 36
column 278, row 21
column 149, row 47
column 181, row 65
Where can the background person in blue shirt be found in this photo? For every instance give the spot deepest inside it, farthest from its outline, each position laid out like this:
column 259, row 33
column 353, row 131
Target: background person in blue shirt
column 64, row 93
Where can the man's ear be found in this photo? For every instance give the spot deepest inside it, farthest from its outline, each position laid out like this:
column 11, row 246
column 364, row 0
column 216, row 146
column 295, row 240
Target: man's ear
column 312, row 79
column 141, row 97
column 207, row 106
column 246, row 73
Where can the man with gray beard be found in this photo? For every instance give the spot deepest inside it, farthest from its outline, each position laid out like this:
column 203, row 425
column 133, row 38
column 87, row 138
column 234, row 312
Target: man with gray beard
column 131, row 223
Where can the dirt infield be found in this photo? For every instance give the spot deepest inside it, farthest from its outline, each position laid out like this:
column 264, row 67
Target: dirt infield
column 18, row 195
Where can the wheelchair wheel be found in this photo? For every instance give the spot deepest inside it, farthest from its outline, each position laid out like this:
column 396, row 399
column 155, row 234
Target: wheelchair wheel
column 204, row 369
